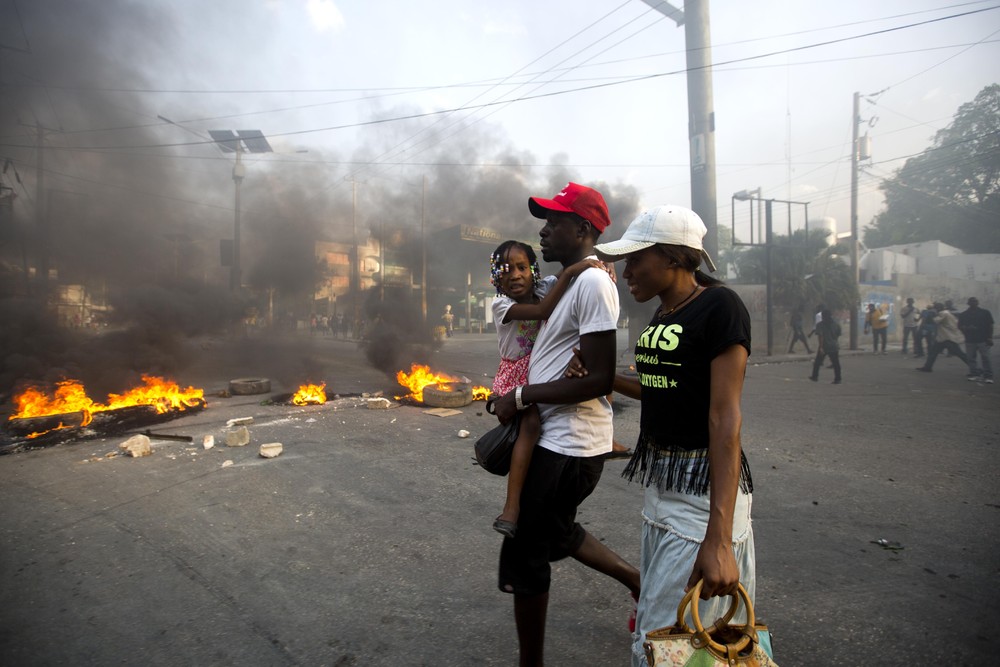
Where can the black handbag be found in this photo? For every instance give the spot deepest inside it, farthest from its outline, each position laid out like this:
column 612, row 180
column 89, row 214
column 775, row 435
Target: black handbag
column 493, row 449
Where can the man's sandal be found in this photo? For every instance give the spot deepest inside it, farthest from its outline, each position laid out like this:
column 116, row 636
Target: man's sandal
column 505, row 528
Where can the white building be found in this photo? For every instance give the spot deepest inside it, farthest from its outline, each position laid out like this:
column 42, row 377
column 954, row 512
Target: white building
column 931, row 258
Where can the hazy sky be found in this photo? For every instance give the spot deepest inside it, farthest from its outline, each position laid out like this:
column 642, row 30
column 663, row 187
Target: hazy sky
column 598, row 86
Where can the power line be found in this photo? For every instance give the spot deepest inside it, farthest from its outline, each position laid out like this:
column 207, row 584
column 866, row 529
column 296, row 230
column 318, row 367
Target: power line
column 573, row 90
column 485, row 82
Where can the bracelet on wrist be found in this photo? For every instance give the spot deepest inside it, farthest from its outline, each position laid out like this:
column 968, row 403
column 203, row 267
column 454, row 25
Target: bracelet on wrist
column 518, row 402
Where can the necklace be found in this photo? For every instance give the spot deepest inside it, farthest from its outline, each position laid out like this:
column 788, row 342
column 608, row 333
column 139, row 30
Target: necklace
column 660, row 312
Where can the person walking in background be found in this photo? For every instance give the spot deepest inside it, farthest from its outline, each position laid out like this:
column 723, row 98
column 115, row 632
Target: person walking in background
column 928, row 330
column 977, row 325
column 449, row 321
column 829, row 346
column 797, row 333
column 947, row 337
column 911, row 320
column 877, row 321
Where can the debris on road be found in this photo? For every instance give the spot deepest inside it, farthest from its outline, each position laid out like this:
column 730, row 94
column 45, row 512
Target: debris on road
column 271, row 449
column 167, row 436
column 239, row 437
column 448, row 395
column 379, row 403
column 887, row 545
column 239, row 421
column 208, row 442
column 249, row 386
column 463, row 433
column 442, row 412
column 136, row 446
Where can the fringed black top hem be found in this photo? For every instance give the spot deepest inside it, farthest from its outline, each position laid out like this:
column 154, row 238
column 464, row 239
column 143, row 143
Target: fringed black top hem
column 676, row 469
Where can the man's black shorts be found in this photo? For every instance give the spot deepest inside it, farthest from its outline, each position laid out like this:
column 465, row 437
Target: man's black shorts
column 547, row 530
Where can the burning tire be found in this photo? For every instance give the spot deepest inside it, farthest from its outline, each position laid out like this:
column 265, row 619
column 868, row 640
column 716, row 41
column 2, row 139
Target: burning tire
column 448, row 395
column 249, row 386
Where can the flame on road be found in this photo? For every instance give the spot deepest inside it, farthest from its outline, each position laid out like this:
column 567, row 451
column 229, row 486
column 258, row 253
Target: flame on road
column 310, row 394
column 422, row 376
column 70, row 396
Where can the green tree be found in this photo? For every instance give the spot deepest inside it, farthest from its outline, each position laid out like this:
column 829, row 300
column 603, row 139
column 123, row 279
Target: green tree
column 804, row 270
column 951, row 191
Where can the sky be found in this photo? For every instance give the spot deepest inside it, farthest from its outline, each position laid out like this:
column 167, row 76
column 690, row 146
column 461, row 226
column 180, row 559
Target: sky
column 388, row 119
column 359, row 97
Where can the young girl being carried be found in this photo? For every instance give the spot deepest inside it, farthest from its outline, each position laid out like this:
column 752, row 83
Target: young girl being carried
column 523, row 300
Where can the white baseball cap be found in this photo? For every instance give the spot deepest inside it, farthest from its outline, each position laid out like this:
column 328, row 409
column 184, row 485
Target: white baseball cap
column 667, row 224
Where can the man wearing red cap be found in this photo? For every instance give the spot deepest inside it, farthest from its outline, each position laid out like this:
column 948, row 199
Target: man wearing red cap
column 576, row 420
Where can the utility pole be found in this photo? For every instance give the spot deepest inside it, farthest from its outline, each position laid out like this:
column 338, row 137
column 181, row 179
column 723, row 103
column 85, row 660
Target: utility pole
column 701, row 114
column 355, row 259
column 41, row 219
column 701, row 118
column 423, row 253
column 855, row 269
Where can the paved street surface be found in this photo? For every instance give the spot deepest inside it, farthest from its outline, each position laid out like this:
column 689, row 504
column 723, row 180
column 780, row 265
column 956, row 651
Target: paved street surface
column 368, row 542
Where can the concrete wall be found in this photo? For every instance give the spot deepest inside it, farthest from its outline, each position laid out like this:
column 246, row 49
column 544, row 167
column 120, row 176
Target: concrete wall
column 979, row 268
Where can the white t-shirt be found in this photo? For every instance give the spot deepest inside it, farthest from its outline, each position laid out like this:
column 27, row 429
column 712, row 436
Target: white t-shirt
column 590, row 305
column 512, row 342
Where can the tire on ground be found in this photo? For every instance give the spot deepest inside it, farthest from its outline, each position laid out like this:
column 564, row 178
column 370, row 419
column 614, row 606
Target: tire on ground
column 249, row 386
column 453, row 395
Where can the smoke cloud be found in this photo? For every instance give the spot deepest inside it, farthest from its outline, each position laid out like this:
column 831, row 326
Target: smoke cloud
column 137, row 220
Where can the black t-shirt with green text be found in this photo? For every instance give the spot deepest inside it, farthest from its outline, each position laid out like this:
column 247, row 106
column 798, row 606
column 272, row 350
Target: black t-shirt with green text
column 673, row 358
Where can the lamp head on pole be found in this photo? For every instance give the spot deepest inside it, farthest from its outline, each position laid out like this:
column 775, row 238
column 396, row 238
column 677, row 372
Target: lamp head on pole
column 746, row 195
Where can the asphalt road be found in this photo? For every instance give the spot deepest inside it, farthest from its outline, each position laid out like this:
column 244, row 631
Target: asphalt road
column 368, row 542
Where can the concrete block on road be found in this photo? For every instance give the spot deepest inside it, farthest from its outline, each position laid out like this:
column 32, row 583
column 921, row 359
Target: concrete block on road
column 136, row 446
column 239, row 437
column 270, row 450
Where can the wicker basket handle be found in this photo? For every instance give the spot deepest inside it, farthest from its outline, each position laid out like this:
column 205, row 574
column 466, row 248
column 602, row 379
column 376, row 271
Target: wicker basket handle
column 703, row 637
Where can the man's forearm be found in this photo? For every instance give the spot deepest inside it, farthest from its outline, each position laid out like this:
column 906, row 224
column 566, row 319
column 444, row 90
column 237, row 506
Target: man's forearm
column 597, row 350
column 568, row 390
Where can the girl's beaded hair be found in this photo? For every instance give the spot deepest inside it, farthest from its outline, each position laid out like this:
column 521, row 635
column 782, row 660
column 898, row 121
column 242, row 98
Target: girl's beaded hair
column 499, row 265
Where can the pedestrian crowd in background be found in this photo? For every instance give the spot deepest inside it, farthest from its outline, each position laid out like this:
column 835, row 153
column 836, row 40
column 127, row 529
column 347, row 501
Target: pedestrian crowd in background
column 937, row 329
column 944, row 330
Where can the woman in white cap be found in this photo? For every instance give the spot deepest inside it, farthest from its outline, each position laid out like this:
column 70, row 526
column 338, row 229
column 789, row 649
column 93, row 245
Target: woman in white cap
column 690, row 363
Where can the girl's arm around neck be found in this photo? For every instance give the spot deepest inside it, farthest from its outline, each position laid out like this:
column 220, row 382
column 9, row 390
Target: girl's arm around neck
column 543, row 309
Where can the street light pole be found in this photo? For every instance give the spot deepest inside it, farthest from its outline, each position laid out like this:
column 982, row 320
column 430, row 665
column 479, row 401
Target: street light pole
column 855, row 269
column 770, row 288
column 748, row 195
column 252, row 141
column 239, row 171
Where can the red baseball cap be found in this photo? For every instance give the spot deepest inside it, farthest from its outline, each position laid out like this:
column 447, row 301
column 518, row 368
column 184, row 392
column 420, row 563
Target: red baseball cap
column 574, row 198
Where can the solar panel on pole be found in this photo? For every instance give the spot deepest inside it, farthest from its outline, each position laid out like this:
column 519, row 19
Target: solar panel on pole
column 226, row 140
column 250, row 141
